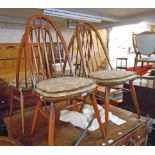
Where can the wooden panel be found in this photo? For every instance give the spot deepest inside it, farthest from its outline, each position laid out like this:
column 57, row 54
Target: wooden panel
column 8, row 54
column 139, row 134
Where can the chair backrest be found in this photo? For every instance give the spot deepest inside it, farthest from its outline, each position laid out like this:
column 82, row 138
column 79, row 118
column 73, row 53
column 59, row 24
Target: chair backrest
column 144, row 43
column 88, row 49
column 45, row 49
column 22, row 71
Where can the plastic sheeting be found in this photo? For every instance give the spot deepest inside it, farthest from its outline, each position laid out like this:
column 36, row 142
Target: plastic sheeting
column 82, row 119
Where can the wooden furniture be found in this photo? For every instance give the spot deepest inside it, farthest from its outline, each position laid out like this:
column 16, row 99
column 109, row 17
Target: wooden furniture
column 7, row 141
column 4, row 98
column 145, row 97
column 21, row 87
column 8, row 55
column 143, row 44
column 51, row 84
column 10, row 93
column 121, row 63
column 93, row 54
column 144, row 47
column 132, row 132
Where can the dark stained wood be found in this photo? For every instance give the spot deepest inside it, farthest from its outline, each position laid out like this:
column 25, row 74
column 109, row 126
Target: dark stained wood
column 4, row 98
column 66, row 134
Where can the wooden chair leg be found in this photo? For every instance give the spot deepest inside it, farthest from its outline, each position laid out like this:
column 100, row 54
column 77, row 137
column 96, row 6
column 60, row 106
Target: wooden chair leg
column 11, row 105
column 134, row 97
column 69, row 102
column 36, row 114
column 82, row 105
column 22, row 111
column 51, row 129
column 93, row 101
column 106, row 108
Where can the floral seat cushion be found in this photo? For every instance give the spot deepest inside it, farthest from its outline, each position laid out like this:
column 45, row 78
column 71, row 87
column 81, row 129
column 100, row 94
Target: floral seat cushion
column 113, row 77
column 65, row 86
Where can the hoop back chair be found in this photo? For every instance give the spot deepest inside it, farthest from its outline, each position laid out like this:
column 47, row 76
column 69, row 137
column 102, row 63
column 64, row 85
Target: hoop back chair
column 144, row 47
column 21, row 86
column 51, row 82
column 86, row 44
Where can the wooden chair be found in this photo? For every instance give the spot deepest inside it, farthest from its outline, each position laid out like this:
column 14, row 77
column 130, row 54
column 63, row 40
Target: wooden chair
column 51, row 82
column 21, row 87
column 144, row 47
column 86, row 46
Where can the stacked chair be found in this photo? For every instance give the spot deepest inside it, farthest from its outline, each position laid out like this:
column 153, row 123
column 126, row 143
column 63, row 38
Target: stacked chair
column 21, row 87
column 89, row 53
column 49, row 80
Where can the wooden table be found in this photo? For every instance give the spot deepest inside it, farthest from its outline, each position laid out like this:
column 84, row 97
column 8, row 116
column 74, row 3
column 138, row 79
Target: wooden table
column 130, row 133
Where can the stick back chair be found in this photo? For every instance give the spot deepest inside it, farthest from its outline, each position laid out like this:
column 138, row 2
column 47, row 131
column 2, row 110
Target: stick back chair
column 21, row 87
column 89, row 51
column 51, row 82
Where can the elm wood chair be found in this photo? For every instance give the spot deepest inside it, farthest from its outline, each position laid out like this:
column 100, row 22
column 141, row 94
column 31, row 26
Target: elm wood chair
column 86, row 44
column 52, row 83
column 21, row 86
column 144, row 47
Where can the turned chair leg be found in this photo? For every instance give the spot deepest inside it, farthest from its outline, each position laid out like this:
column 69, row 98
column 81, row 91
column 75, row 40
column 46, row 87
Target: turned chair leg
column 36, row 114
column 106, row 108
column 51, row 129
column 93, row 101
column 134, row 97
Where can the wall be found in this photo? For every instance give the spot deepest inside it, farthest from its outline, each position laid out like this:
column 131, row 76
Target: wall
column 14, row 35
column 9, row 35
column 120, row 42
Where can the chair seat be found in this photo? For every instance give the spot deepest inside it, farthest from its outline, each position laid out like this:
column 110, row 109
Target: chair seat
column 147, row 59
column 22, row 83
column 65, row 86
column 113, row 77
